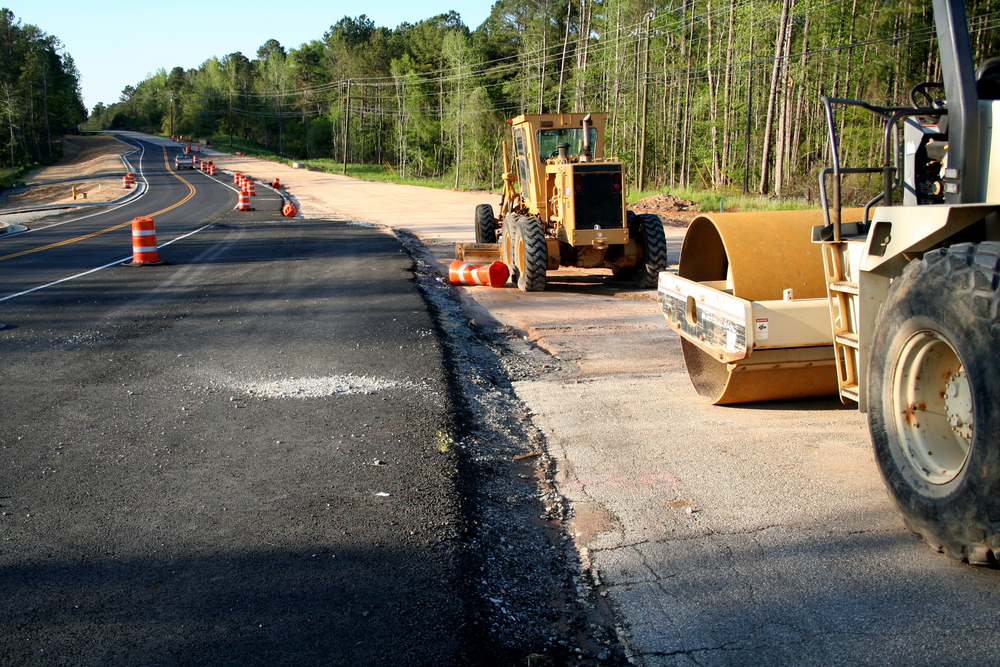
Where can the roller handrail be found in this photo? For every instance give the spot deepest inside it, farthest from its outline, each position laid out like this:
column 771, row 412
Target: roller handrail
column 890, row 170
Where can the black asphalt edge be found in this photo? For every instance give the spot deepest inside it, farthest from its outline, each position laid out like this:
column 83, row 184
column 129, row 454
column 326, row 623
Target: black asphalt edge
column 581, row 627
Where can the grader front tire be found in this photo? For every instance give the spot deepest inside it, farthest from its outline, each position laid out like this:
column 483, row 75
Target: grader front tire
column 934, row 393
column 486, row 226
column 531, row 255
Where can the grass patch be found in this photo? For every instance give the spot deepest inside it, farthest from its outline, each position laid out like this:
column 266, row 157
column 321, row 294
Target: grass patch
column 366, row 172
column 730, row 200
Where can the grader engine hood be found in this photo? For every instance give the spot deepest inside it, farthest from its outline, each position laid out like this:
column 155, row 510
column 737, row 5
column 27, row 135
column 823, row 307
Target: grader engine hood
column 591, row 195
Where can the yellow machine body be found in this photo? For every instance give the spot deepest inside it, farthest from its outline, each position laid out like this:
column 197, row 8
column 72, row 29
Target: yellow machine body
column 750, row 303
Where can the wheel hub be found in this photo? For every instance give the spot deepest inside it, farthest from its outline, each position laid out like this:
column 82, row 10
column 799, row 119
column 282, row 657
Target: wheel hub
column 933, row 407
column 958, row 405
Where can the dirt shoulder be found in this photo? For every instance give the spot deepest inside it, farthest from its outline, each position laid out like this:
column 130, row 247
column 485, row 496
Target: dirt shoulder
column 90, row 163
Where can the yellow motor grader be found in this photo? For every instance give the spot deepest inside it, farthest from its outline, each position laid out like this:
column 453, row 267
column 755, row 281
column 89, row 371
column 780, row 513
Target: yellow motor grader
column 895, row 307
column 564, row 205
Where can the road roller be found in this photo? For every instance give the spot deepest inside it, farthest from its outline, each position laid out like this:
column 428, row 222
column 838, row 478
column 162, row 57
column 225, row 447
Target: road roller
column 893, row 307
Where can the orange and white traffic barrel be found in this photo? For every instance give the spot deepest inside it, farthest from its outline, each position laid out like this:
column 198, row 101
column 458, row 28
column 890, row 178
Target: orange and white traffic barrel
column 236, row 177
column 244, row 201
column 465, row 273
column 211, row 168
column 144, row 252
column 125, row 182
column 250, row 188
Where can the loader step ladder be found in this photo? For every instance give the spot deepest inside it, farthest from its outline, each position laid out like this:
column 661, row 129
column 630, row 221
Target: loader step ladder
column 842, row 291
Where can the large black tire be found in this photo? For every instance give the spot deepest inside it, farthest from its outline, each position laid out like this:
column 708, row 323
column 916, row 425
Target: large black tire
column 508, row 236
column 486, row 224
column 934, row 399
column 653, row 242
column 531, row 255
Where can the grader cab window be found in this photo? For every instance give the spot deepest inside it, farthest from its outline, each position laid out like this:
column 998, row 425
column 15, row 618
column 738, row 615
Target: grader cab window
column 549, row 140
column 522, row 163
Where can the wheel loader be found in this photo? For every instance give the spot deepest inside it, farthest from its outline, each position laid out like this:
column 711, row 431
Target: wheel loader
column 894, row 306
column 564, row 205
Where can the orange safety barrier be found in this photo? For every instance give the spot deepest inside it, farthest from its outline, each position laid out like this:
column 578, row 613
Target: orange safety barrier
column 250, row 188
column 144, row 252
column 244, row 202
column 464, row 273
column 289, row 210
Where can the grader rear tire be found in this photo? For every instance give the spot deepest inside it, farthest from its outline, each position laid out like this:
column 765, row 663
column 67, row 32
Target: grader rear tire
column 531, row 255
column 934, row 394
column 486, row 226
column 653, row 242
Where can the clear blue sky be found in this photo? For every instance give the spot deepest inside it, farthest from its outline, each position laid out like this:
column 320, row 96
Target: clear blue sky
column 116, row 44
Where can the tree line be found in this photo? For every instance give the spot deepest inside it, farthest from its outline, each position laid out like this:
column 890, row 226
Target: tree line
column 703, row 93
column 39, row 93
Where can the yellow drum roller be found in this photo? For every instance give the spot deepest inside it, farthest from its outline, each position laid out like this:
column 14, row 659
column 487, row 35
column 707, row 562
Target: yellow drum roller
column 750, row 303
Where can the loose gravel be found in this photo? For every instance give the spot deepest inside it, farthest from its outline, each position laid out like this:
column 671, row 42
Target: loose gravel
column 537, row 604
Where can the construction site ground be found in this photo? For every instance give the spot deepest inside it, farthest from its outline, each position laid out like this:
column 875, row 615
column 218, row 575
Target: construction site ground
column 756, row 534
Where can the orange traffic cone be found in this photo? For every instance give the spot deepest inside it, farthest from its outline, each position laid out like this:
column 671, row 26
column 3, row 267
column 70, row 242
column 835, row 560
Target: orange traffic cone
column 464, row 273
column 144, row 252
column 277, row 184
column 289, row 210
column 244, row 202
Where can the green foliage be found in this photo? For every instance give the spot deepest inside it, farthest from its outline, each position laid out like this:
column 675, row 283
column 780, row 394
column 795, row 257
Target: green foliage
column 703, row 95
column 39, row 95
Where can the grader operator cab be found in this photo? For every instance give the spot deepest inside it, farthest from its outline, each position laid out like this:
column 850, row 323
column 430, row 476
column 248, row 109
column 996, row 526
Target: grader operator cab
column 564, row 205
column 895, row 306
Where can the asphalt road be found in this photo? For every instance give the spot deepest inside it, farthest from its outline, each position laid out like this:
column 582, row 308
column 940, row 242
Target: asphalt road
column 285, row 446
column 178, row 201
column 233, row 459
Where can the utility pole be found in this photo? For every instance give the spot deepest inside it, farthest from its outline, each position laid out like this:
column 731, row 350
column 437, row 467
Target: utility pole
column 171, row 115
column 347, row 123
column 645, row 97
column 746, row 146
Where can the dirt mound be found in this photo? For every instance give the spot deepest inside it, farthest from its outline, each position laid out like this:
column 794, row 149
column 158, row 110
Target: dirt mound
column 674, row 211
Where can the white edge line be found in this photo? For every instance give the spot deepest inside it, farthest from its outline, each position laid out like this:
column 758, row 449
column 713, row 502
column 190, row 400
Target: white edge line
column 99, row 268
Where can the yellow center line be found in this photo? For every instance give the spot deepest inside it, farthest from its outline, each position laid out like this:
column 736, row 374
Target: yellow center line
column 190, row 194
